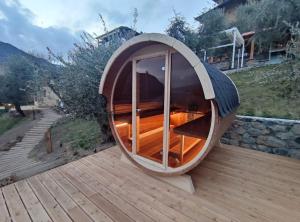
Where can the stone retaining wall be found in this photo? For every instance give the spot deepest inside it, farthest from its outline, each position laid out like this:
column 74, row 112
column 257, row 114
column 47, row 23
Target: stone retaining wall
column 278, row 136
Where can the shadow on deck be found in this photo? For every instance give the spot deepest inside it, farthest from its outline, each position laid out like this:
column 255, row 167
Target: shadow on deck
column 232, row 184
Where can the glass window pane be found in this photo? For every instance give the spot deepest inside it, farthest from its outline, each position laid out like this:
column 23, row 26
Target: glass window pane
column 122, row 106
column 150, row 107
column 189, row 113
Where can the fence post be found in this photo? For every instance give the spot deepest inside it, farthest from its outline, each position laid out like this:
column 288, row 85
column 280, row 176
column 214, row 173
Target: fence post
column 49, row 141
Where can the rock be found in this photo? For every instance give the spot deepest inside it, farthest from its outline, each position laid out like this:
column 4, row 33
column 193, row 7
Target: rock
column 264, row 148
column 258, row 125
column 250, row 146
column 239, row 122
column 284, row 135
column 234, row 142
column 234, row 136
column 225, row 140
column 294, row 144
column 294, row 153
column 240, row 130
column 281, row 151
column 226, row 134
column 271, row 135
column 248, row 139
column 270, row 141
column 278, row 128
column 254, row 132
column 296, row 129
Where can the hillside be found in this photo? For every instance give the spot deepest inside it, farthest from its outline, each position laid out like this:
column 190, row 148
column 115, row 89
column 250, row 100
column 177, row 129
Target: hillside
column 7, row 50
column 270, row 91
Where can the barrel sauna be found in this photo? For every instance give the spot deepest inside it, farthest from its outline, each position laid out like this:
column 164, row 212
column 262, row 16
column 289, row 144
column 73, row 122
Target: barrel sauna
column 166, row 108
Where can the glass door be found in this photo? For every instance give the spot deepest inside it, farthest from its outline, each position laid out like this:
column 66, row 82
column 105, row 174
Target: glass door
column 149, row 79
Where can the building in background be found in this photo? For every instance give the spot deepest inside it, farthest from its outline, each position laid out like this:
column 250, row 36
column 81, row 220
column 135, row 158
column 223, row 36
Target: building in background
column 46, row 97
column 120, row 34
column 251, row 56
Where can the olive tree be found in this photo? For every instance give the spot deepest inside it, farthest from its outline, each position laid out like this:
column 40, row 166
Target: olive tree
column 180, row 30
column 17, row 83
column 268, row 18
column 78, row 80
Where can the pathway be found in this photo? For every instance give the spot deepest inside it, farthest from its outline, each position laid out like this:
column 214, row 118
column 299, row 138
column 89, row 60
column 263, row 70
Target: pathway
column 16, row 161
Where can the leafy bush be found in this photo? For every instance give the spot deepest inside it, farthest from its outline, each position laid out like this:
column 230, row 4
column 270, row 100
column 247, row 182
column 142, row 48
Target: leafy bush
column 79, row 77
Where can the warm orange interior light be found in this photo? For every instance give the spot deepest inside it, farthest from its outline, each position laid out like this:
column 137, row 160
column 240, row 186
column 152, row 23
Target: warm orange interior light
column 121, row 124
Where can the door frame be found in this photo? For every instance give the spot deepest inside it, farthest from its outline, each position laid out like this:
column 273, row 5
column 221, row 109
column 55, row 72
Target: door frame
column 166, row 114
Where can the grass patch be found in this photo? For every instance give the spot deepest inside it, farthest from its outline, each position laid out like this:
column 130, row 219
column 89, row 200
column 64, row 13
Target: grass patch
column 2, row 111
column 7, row 122
column 269, row 91
column 78, row 133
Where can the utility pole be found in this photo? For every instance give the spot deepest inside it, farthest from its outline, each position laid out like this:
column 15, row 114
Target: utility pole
column 135, row 16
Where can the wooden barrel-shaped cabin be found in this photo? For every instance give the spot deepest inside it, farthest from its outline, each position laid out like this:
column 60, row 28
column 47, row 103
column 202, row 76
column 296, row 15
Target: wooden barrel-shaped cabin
column 167, row 108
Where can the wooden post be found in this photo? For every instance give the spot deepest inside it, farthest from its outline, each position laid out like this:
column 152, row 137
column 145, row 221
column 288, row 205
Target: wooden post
column 252, row 50
column 138, row 112
column 182, row 149
column 33, row 114
column 243, row 52
column 49, row 141
column 233, row 49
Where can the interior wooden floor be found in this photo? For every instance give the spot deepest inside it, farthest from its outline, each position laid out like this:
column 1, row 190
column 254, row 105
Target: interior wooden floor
column 232, row 184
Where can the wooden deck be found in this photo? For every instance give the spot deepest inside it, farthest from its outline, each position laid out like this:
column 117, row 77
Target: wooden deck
column 232, row 184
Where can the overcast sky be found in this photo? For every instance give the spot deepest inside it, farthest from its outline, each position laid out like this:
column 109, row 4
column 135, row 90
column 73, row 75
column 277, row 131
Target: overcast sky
column 32, row 25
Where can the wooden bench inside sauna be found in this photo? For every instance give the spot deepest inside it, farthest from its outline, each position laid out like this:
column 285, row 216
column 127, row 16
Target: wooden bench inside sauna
column 167, row 109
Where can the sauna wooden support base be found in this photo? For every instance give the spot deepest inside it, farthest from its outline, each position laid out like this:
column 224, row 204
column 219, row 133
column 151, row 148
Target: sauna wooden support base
column 183, row 182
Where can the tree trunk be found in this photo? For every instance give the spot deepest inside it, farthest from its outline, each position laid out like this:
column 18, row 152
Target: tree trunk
column 19, row 110
column 102, row 121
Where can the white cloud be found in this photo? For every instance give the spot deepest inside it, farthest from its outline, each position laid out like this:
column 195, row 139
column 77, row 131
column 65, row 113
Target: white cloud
column 83, row 15
column 55, row 23
column 2, row 16
column 19, row 31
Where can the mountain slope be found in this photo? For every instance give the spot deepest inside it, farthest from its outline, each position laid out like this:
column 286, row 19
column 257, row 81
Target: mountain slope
column 7, row 50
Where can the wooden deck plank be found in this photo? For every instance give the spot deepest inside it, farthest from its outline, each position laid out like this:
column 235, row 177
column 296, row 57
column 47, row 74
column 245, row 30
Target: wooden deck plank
column 114, row 212
column 165, row 193
column 132, row 194
column 232, row 184
column 54, row 210
column 32, row 204
column 122, row 208
column 244, row 187
column 248, row 164
column 14, row 203
column 277, row 185
column 91, row 209
column 238, row 206
column 262, row 156
column 133, row 197
column 72, row 209
column 246, row 203
column 3, row 209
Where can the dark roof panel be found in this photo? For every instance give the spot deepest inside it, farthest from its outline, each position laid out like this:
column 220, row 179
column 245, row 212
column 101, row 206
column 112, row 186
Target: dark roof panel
column 227, row 97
